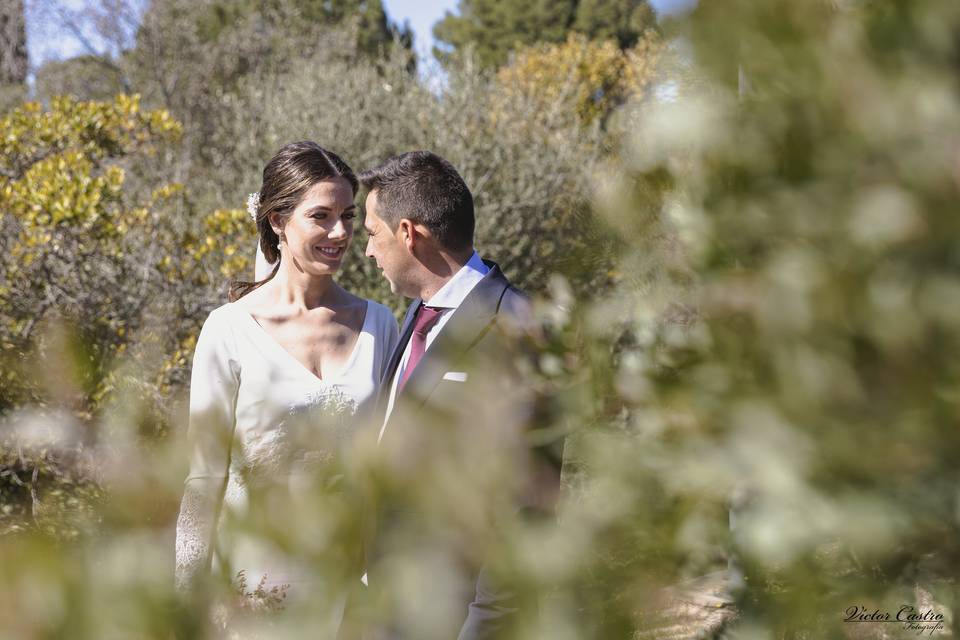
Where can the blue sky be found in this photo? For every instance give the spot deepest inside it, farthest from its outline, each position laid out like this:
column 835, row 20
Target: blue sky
column 422, row 14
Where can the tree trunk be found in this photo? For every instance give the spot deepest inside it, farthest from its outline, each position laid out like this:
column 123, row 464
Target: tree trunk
column 13, row 43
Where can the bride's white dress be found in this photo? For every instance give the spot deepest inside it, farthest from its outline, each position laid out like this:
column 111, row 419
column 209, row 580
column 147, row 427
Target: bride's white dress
column 257, row 415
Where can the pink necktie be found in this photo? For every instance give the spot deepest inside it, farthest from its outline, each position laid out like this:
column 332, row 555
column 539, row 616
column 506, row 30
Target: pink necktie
column 426, row 318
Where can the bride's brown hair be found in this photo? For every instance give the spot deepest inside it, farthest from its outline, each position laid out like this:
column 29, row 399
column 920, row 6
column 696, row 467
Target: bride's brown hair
column 286, row 179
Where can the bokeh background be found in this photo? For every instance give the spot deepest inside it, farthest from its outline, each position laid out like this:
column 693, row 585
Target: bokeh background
column 739, row 221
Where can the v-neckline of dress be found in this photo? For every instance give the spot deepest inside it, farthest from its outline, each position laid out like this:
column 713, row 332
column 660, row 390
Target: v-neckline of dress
column 279, row 347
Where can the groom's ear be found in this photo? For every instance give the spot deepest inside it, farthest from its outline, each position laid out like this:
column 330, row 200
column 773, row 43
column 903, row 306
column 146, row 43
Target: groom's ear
column 413, row 234
column 407, row 233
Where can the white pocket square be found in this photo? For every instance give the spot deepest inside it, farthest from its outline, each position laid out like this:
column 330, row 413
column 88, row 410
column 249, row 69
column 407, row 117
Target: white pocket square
column 456, row 376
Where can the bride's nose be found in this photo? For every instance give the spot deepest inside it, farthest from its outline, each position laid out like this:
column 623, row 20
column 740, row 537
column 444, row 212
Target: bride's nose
column 338, row 231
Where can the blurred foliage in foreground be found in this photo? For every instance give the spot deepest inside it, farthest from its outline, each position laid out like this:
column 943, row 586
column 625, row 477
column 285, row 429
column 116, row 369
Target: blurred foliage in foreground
column 815, row 232
column 771, row 386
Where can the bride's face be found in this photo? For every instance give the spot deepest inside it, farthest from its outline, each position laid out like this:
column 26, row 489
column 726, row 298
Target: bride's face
column 318, row 232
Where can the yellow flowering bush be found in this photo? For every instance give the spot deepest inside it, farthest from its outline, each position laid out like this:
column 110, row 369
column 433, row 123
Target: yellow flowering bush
column 68, row 220
column 85, row 243
column 105, row 278
column 198, row 267
column 595, row 76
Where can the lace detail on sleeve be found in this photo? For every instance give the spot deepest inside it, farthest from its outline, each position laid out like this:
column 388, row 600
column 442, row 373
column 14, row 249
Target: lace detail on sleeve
column 214, row 385
column 195, row 528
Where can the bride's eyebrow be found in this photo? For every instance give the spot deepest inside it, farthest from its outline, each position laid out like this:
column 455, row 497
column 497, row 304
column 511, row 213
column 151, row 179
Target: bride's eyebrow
column 320, row 207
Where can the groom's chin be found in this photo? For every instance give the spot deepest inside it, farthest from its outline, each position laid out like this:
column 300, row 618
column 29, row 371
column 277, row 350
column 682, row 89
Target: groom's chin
column 397, row 290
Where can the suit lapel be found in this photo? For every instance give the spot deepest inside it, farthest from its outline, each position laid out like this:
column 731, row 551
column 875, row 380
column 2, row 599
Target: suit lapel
column 387, row 377
column 465, row 327
column 405, row 332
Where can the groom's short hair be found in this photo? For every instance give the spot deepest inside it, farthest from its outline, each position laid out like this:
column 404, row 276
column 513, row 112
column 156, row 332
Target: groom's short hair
column 423, row 187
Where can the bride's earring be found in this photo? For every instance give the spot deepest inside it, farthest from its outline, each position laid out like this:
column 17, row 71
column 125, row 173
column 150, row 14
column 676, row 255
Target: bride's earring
column 280, row 243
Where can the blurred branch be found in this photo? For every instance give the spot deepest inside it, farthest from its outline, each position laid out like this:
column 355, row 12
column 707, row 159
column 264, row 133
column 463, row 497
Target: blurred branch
column 35, row 496
column 71, row 21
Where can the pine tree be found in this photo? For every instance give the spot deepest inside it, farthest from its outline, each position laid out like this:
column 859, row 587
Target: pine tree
column 375, row 32
column 621, row 20
column 494, row 28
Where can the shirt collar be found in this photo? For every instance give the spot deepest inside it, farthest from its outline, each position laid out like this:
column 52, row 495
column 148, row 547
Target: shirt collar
column 457, row 288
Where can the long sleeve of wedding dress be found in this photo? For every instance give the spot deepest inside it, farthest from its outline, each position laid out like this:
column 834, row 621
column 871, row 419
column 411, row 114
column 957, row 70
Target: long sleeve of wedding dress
column 214, row 383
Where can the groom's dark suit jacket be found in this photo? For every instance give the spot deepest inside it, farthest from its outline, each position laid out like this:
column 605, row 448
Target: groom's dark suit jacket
column 465, row 402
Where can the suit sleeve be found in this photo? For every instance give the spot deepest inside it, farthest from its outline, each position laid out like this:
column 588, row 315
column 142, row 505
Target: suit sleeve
column 214, row 383
column 496, row 602
column 490, row 614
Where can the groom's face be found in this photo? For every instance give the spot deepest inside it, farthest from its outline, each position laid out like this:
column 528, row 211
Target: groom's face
column 385, row 247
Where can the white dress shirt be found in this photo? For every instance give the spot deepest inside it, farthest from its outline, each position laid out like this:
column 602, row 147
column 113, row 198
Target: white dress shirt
column 449, row 298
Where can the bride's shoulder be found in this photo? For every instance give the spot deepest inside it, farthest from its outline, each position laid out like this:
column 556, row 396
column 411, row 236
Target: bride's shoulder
column 376, row 308
column 217, row 335
column 253, row 302
column 350, row 300
column 381, row 313
column 221, row 313
column 227, row 315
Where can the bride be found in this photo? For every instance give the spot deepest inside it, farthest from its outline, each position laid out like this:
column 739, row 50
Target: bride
column 281, row 375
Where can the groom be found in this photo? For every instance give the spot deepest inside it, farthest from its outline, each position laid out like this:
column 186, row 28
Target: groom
column 454, row 408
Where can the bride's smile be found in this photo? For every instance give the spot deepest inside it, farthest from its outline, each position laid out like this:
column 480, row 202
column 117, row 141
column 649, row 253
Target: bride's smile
column 331, row 252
